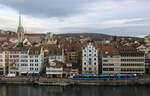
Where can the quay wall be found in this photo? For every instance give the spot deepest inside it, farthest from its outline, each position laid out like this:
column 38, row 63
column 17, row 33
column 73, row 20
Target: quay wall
column 65, row 82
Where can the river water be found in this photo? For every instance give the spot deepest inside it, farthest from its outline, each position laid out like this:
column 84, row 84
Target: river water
column 19, row 90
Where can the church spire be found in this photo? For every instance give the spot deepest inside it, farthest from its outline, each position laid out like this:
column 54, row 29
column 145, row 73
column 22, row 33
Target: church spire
column 20, row 19
column 20, row 30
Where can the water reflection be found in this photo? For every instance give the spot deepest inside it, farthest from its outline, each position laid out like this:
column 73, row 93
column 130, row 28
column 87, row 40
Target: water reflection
column 7, row 90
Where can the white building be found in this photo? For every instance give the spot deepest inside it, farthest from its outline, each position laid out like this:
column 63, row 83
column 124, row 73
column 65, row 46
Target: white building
column 90, row 60
column 24, row 61
column 31, row 60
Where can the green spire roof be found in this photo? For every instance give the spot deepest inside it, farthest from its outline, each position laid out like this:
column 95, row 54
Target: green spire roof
column 20, row 27
column 19, row 20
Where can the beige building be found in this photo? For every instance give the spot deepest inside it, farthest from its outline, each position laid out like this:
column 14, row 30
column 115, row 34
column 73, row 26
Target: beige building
column 3, row 61
column 110, row 60
column 124, row 59
column 13, row 66
column 132, row 61
column 147, row 40
column 144, row 49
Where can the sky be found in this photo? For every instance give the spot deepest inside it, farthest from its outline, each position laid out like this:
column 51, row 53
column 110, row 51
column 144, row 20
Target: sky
column 113, row 17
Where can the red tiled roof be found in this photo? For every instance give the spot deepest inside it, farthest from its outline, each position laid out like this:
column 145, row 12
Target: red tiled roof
column 33, row 34
column 34, row 50
column 8, row 36
column 111, row 50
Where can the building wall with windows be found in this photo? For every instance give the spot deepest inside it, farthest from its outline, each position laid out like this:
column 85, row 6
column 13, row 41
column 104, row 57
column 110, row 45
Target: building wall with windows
column 147, row 63
column 124, row 59
column 90, row 60
column 31, row 61
column 110, row 60
column 24, row 62
column 56, row 57
column 13, row 67
column 54, row 69
column 36, row 59
column 132, row 61
column 3, row 61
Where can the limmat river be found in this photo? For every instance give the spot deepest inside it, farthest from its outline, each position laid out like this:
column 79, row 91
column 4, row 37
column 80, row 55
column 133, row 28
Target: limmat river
column 19, row 90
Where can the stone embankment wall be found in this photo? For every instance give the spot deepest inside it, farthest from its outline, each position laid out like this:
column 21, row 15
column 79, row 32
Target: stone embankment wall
column 64, row 82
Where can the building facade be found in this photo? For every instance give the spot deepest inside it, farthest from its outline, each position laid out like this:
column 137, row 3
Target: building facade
column 132, row 61
column 147, row 40
column 90, row 60
column 110, row 60
column 4, row 57
column 31, row 60
column 54, row 69
column 13, row 66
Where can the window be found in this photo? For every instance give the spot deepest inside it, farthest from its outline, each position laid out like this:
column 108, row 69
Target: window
column 90, row 69
column 36, row 60
column 36, row 69
column 105, row 60
column 89, row 63
column 36, row 64
column 31, row 69
column 31, row 56
column 31, row 60
column 31, row 64
column 36, row 56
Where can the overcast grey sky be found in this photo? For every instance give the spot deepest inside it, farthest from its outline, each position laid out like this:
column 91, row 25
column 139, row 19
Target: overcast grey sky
column 115, row 17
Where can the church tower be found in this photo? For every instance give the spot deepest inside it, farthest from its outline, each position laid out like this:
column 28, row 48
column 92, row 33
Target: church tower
column 20, row 31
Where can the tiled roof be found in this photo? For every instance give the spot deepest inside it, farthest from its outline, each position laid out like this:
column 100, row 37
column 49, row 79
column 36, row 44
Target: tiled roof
column 8, row 36
column 37, row 34
column 128, row 49
column 34, row 50
column 72, row 46
column 111, row 50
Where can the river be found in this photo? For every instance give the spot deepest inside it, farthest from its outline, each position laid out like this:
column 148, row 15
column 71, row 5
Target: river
column 26, row 90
